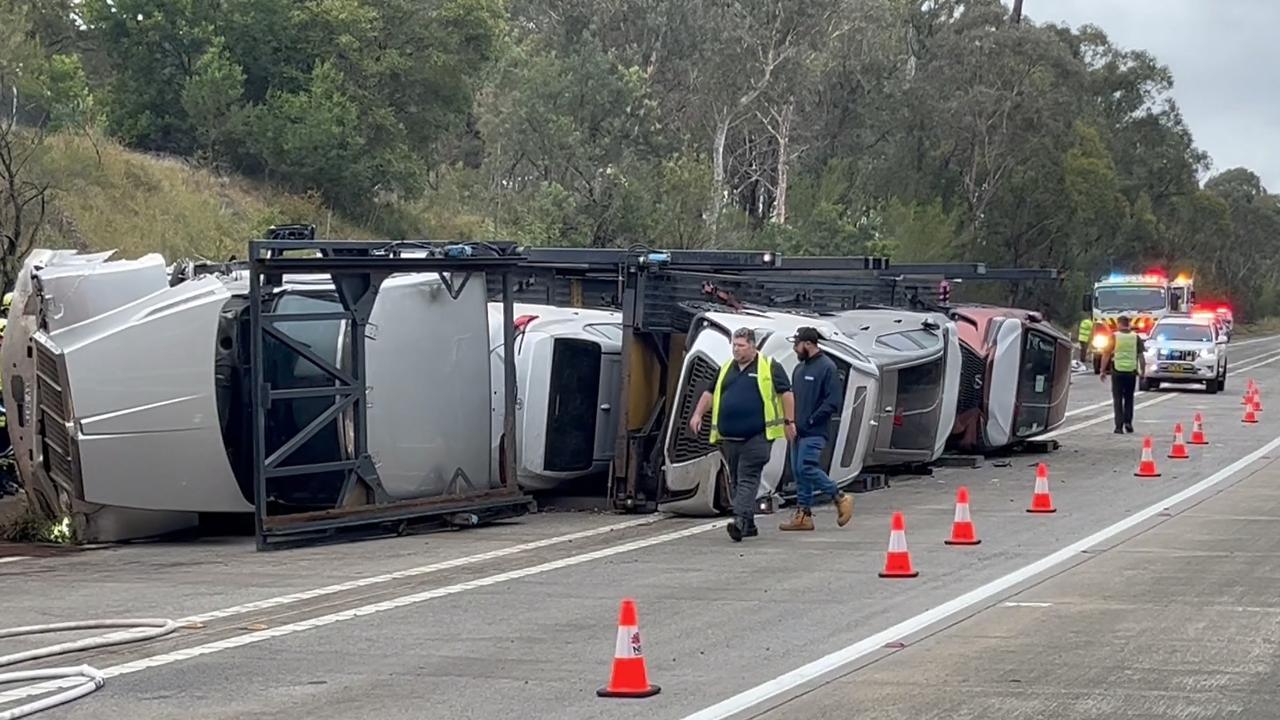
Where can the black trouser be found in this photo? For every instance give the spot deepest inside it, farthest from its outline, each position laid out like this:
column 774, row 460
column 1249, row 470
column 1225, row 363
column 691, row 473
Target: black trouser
column 746, row 460
column 1123, row 385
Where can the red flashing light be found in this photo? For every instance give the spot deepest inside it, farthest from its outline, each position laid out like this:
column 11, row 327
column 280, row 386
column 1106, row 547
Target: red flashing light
column 897, row 419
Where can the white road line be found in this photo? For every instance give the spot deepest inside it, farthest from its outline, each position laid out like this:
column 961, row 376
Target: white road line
column 421, row 570
column 842, row 658
column 359, row 612
column 1027, row 604
column 1103, row 418
column 414, row 572
column 13, row 558
column 1273, row 355
column 1253, row 341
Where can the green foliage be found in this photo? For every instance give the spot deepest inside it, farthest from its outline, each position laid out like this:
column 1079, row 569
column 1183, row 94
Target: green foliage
column 213, row 98
column 929, row 132
column 350, row 98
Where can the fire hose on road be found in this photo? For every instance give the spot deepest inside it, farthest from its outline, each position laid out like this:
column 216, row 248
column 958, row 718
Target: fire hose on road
column 135, row 631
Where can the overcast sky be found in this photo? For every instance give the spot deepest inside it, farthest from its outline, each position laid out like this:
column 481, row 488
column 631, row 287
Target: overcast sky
column 1224, row 55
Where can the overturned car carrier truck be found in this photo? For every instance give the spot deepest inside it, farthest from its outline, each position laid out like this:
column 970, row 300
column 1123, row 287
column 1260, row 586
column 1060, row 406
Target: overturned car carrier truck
column 321, row 385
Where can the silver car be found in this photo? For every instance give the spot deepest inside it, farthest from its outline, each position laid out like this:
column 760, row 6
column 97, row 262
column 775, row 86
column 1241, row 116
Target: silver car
column 1186, row 350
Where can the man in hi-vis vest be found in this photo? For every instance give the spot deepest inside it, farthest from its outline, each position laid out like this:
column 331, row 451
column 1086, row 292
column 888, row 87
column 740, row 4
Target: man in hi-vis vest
column 1127, row 361
column 1085, row 335
column 751, row 406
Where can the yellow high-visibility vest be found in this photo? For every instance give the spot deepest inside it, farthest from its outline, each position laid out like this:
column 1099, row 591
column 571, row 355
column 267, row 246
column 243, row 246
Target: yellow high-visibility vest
column 1125, row 356
column 1086, row 330
column 773, row 426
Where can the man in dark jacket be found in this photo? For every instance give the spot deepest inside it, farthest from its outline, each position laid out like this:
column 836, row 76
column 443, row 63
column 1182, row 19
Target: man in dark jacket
column 816, row 386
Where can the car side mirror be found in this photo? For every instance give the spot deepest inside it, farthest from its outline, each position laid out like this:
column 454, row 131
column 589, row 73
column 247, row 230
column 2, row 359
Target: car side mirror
column 1086, row 302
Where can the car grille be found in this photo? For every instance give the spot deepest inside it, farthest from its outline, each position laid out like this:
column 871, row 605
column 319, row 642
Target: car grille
column 686, row 446
column 52, row 413
column 972, row 377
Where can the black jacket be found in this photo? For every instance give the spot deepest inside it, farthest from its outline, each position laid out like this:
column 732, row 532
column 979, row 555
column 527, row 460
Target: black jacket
column 816, row 385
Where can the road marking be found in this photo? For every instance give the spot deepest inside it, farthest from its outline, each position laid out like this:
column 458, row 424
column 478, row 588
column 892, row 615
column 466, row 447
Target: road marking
column 1253, row 341
column 1269, row 354
column 408, row 573
column 1103, row 418
column 417, row 571
column 13, row 558
column 841, row 658
column 1026, row 604
column 362, row 611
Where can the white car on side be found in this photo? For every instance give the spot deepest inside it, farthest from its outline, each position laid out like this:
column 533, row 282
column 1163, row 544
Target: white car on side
column 1185, row 349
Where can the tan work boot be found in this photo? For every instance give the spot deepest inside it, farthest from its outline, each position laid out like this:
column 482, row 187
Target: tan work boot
column 844, row 509
column 800, row 521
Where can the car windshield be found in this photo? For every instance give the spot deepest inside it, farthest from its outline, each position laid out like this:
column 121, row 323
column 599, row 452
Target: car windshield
column 1133, row 298
column 1182, row 332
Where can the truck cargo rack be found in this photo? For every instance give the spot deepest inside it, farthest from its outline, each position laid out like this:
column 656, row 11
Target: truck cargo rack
column 358, row 270
column 660, row 292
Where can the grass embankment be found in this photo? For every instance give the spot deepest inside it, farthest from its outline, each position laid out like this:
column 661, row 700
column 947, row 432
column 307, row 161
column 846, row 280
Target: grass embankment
column 109, row 198
column 1262, row 328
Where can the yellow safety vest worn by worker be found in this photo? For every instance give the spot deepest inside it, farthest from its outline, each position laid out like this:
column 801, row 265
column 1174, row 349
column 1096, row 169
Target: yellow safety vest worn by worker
column 773, row 427
column 1086, row 330
column 1125, row 357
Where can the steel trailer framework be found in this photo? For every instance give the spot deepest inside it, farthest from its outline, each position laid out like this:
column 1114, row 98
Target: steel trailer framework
column 358, row 270
column 660, row 293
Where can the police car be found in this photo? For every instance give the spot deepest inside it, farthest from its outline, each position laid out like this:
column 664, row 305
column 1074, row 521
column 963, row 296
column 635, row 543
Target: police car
column 1184, row 349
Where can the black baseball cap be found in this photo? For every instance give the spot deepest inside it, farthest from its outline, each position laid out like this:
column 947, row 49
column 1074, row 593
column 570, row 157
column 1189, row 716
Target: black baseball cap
column 806, row 334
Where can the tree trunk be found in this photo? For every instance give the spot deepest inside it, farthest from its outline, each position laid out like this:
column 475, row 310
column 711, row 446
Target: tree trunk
column 718, row 188
column 784, row 163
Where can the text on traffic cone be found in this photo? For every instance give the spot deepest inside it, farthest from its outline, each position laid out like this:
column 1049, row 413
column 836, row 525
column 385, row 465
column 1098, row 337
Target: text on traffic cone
column 962, row 530
column 629, row 678
column 1147, row 465
column 1041, row 500
column 1179, row 449
column 1197, row 432
column 897, row 562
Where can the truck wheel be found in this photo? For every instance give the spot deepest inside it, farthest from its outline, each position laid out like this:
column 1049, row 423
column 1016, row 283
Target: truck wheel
column 723, row 499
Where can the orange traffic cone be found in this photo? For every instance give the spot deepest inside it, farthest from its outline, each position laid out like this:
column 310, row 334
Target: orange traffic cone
column 897, row 562
column 1257, row 400
column 1197, row 432
column 962, row 531
column 1147, row 466
column 1250, row 415
column 629, row 678
column 1042, row 501
column 1179, row 449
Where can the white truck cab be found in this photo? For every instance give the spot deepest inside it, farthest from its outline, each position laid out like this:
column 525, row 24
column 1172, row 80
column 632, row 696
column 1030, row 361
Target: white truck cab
column 695, row 480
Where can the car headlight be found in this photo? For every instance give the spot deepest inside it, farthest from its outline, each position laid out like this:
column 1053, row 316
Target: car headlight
column 1208, row 353
column 1100, row 342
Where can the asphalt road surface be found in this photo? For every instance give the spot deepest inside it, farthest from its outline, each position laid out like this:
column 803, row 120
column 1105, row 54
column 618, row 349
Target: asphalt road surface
column 1139, row 598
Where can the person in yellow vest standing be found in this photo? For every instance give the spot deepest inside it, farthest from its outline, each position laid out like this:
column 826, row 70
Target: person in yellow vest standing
column 1084, row 336
column 751, row 406
column 1126, row 361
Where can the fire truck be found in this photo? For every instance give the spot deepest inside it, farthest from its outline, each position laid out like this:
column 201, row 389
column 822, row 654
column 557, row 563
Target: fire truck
column 1143, row 298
